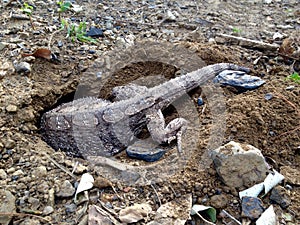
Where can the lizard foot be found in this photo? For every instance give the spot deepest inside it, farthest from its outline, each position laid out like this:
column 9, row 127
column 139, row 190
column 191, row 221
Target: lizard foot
column 166, row 134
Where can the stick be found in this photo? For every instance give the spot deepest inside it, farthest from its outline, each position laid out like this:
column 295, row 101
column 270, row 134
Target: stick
column 59, row 166
column 245, row 42
column 159, row 201
column 231, row 217
column 23, row 215
column 51, row 37
column 108, row 213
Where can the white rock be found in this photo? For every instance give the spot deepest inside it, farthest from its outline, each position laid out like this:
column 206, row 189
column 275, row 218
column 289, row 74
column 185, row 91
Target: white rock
column 239, row 165
column 277, row 36
column 18, row 173
column 3, row 174
column 170, row 15
column 48, row 210
column 22, row 67
column 11, row 108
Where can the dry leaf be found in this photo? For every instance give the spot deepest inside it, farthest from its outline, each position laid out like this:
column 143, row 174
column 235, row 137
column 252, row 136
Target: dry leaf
column 134, row 213
column 40, row 53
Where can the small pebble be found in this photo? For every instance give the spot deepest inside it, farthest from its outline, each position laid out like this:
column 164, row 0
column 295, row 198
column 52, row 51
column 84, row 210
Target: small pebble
column 288, row 187
column 280, row 196
column 9, row 152
column 35, row 202
column 11, row 108
column 23, row 67
column 48, row 210
column 101, row 182
column 3, row 174
column 200, row 101
column 95, row 32
column 268, row 96
column 60, row 44
column 170, row 16
column 108, row 205
column 234, row 201
column 108, row 25
column 18, row 173
column 66, row 189
column 9, row 144
column 14, row 178
column 290, row 88
column 219, row 201
column 272, row 133
column 39, row 172
column 2, row 46
column 70, row 208
column 11, row 170
column 36, row 32
column 252, row 207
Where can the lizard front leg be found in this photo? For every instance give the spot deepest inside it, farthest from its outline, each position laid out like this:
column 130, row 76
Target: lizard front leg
column 162, row 133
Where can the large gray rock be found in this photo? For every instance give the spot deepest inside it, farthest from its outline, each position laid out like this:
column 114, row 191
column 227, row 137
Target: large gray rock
column 7, row 205
column 239, row 165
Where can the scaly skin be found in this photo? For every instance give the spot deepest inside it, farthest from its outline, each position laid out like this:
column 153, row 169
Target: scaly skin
column 91, row 126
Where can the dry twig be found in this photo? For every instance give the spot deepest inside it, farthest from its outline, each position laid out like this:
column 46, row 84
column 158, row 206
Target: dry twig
column 245, row 42
column 231, row 217
column 23, row 215
column 59, row 166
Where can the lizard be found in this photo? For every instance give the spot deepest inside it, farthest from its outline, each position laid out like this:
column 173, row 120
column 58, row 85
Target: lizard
column 95, row 126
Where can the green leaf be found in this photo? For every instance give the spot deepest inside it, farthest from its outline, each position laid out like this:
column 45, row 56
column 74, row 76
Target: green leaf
column 28, row 9
column 63, row 24
column 236, row 30
column 209, row 211
column 64, row 6
column 27, row 6
column 294, row 77
column 77, row 32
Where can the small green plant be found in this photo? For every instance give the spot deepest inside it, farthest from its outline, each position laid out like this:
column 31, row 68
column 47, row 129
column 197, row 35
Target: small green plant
column 63, row 6
column 236, row 30
column 76, row 32
column 295, row 77
column 28, row 10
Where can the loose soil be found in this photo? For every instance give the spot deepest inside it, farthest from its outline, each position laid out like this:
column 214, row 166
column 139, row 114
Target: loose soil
column 270, row 125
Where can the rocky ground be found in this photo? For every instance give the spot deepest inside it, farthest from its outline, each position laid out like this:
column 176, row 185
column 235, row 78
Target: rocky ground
column 38, row 183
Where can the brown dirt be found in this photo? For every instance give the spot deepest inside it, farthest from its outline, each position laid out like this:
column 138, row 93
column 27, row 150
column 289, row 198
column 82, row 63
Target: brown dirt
column 272, row 126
